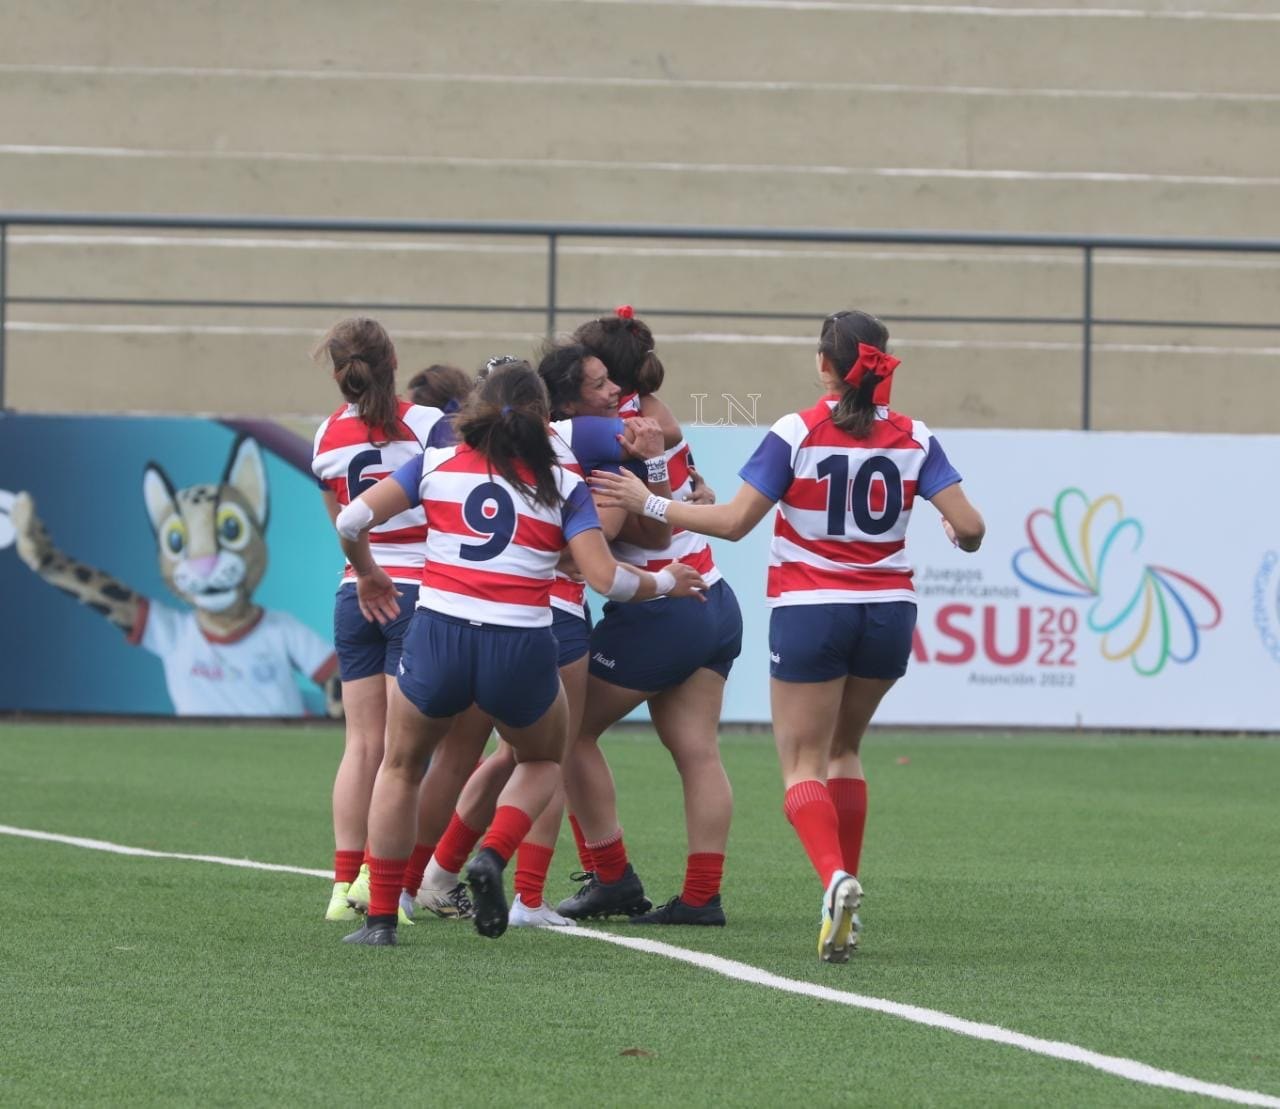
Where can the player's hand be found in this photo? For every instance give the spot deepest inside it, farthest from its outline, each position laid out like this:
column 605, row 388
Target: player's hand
column 641, row 438
column 701, row 493
column 689, row 582
column 622, row 490
column 377, row 596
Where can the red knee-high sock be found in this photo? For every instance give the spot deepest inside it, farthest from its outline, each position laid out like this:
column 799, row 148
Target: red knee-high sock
column 609, row 857
column 702, row 873
column 532, row 863
column 417, row 863
column 346, row 865
column 808, row 806
column 456, row 844
column 384, row 885
column 849, row 795
column 510, row 826
column 580, row 839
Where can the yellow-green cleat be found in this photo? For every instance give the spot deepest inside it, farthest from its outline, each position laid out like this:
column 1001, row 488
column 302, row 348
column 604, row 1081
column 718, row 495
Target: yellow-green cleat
column 358, row 892
column 404, row 914
column 838, row 936
column 338, row 908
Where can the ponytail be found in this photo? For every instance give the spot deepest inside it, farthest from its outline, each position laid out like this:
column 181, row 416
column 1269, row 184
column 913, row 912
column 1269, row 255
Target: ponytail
column 363, row 359
column 854, row 343
column 505, row 420
column 625, row 345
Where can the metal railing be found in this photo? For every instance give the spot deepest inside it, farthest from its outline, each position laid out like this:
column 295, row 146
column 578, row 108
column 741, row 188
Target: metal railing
column 553, row 233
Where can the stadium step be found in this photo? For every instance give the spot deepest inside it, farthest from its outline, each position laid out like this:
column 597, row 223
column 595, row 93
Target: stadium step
column 502, row 189
column 1140, row 45
column 437, row 116
column 953, row 377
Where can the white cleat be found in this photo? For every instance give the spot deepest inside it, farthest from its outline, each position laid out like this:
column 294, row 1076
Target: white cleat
column 544, row 916
column 838, row 937
column 451, row 903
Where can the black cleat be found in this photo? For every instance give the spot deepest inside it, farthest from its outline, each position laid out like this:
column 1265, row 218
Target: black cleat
column 595, row 898
column 376, row 931
column 676, row 911
column 484, row 876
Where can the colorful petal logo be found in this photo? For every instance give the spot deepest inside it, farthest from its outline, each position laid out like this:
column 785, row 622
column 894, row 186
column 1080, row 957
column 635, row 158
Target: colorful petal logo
column 1088, row 550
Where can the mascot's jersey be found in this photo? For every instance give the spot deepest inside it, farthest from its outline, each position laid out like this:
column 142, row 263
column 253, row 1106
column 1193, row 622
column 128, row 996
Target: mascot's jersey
column 249, row 674
column 843, row 504
column 491, row 554
column 347, row 463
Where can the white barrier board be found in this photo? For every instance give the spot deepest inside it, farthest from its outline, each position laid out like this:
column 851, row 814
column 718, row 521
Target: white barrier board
column 1127, row 580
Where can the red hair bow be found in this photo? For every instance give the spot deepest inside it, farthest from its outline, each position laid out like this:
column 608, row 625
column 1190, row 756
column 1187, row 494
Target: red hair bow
column 872, row 360
column 624, row 311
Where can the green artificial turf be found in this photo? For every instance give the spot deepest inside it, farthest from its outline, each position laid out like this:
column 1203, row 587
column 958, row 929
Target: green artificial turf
column 1118, row 893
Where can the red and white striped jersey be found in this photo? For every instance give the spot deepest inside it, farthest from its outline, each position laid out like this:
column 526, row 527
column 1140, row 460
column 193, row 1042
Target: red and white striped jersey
column 347, row 463
column 686, row 546
column 844, row 504
column 566, row 593
column 491, row 554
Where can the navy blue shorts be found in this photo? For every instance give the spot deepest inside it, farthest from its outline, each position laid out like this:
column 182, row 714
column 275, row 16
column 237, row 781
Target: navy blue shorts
column 573, row 634
column 656, row 645
column 365, row 647
column 815, row 643
column 449, row 664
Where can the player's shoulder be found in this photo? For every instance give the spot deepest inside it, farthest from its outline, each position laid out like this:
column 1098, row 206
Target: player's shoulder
column 907, row 428
column 326, row 426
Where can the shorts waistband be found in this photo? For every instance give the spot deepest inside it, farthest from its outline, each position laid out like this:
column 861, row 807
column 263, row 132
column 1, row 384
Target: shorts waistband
column 462, row 621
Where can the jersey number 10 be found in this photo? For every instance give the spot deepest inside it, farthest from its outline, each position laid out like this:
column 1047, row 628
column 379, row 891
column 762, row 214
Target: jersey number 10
column 844, row 496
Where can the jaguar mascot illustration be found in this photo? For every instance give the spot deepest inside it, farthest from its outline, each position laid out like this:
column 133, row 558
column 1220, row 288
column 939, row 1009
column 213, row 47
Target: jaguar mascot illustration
column 226, row 656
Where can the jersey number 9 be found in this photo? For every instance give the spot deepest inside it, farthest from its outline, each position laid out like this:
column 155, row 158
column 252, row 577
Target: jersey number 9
column 488, row 510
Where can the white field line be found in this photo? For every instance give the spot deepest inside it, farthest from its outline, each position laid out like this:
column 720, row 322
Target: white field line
column 1013, row 256
column 609, row 81
column 671, row 339
column 1129, row 1069
column 449, row 162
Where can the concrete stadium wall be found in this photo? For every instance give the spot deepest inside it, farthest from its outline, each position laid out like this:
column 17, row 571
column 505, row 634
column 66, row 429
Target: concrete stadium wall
column 1144, row 118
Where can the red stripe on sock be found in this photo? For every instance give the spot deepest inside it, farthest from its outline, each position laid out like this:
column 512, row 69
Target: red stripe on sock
column 417, row 863
column 580, row 840
column 455, row 845
column 384, row 885
column 702, row 873
column 510, row 826
column 609, row 857
column 346, row 865
column 532, row 863
column 849, row 795
column 808, row 806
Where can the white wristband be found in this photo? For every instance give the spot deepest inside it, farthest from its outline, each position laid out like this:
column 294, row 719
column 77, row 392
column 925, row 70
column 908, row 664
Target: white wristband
column 657, row 469
column 625, row 584
column 353, row 519
column 655, row 507
column 664, row 582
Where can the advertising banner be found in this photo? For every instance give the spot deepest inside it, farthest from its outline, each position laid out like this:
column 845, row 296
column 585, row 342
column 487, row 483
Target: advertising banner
column 163, row 566
column 1126, row 580
column 186, row 566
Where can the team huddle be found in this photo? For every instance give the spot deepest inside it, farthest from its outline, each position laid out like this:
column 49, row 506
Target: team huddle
column 474, row 518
